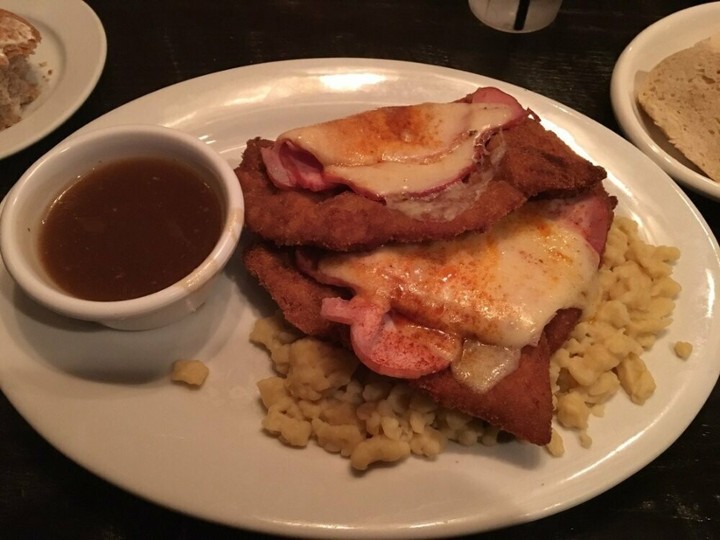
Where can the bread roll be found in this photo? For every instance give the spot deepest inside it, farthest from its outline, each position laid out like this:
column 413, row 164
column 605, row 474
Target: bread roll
column 18, row 40
column 682, row 96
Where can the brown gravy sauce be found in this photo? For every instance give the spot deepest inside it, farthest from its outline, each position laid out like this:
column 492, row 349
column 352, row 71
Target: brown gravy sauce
column 129, row 228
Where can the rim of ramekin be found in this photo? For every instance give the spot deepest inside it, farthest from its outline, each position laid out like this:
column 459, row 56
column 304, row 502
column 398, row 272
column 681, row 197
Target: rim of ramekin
column 30, row 280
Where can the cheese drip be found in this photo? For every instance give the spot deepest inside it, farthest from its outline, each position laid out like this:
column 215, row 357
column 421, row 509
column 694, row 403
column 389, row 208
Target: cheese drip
column 481, row 366
column 401, row 150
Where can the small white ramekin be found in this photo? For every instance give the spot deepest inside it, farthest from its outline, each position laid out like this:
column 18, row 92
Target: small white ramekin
column 28, row 201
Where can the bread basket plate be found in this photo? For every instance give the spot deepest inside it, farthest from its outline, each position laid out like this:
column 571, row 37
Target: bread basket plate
column 676, row 32
column 104, row 397
column 67, row 65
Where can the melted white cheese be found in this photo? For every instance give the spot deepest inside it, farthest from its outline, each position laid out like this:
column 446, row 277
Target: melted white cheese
column 391, row 150
column 392, row 178
column 448, row 203
column 501, row 287
column 481, row 366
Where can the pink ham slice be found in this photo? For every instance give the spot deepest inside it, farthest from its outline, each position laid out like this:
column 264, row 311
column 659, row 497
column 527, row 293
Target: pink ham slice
column 289, row 166
column 392, row 345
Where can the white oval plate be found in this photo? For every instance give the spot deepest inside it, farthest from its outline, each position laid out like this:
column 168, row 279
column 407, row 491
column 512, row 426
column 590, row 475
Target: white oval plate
column 658, row 41
column 68, row 63
column 104, row 398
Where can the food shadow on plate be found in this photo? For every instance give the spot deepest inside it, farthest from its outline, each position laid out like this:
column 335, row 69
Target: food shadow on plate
column 508, row 451
column 658, row 136
column 93, row 352
column 502, row 448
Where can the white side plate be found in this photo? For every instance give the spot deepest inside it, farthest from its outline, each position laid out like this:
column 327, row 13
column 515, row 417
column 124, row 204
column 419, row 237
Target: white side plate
column 658, row 41
column 68, row 63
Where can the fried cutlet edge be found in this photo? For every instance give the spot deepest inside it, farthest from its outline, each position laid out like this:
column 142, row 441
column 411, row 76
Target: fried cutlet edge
column 535, row 163
column 520, row 404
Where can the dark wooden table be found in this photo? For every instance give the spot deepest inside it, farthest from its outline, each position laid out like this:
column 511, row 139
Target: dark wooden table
column 153, row 44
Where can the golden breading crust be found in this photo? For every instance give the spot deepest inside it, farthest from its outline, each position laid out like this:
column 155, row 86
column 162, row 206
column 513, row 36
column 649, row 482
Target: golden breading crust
column 535, row 162
column 298, row 296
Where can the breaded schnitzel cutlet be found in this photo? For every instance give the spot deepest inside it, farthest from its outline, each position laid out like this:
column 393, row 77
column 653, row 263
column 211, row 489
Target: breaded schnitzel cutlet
column 535, row 162
column 521, row 403
column 452, row 257
column 297, row 295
